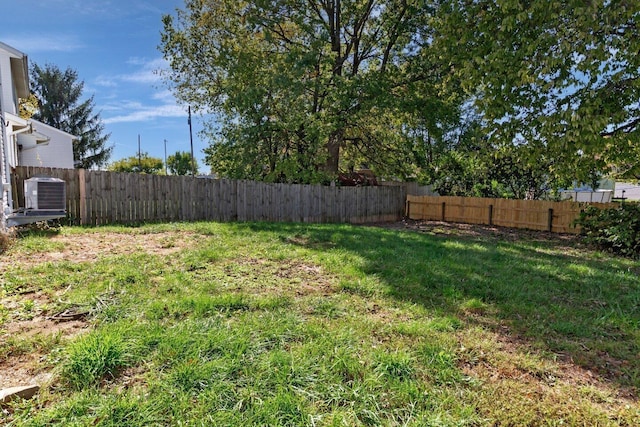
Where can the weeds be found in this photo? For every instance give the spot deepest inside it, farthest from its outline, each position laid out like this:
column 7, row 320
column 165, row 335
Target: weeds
column 93, row 358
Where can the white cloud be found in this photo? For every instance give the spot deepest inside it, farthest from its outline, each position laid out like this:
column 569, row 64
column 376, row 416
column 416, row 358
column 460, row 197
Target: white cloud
column 158, row 104
column 105, row 9
column 105, row 81
column 137, row 112
column 165, row 95
column 147, row 73
column 121, row 106
column 44, row 43
column 143, row 76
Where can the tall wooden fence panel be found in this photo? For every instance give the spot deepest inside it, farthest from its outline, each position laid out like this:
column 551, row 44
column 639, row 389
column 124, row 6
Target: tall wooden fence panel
column 557, row 217
column 99, row 197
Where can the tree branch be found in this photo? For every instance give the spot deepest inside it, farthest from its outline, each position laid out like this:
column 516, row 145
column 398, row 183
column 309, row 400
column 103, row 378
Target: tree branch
column 626, row 128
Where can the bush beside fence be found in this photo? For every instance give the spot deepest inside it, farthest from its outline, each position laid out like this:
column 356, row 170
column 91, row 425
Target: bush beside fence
column 99, row 197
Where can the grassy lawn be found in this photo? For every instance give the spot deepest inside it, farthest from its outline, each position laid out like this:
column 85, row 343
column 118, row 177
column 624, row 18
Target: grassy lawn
column 316, row 325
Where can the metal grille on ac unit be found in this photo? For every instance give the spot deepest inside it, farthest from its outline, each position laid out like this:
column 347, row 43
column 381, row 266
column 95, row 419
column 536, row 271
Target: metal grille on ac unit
column 45, row 194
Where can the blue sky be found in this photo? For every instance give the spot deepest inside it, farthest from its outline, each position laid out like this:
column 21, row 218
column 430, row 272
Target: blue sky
column 113, row 45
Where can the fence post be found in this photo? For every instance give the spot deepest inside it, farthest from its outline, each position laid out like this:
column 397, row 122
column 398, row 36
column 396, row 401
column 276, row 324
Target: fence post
column 408, row 209
column 490, row 214
column 443, row 211
column 550, row 220
column 82, row 187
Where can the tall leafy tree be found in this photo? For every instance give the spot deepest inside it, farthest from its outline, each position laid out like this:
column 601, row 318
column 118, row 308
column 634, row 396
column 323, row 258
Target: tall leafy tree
column 306, row 88
column 181, row 163
column 138, row 164
column 59, row 96
column 562, row 77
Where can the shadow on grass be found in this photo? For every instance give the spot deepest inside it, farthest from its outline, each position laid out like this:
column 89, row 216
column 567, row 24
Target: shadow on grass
column 585, row 309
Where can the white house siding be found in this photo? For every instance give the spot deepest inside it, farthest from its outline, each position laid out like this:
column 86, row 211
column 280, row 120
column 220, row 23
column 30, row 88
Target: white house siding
column 5, row 102
column 14, row 79
column 6, row 84
column 5, row 196
column 58, row 153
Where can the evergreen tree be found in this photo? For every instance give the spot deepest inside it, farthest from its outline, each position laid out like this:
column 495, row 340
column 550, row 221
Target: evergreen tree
column 60, row 105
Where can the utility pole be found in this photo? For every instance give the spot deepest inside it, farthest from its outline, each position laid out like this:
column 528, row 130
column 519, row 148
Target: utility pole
column 139, row 156
column 193, row 163
column 165, row 158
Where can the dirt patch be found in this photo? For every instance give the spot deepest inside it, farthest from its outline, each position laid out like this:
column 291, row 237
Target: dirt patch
column 21, row 367
column 90, row 247
column 43, row 326
column 26, row 336
column 22, row 370
column 505, row 370
column 290, row 275
column 481, row 231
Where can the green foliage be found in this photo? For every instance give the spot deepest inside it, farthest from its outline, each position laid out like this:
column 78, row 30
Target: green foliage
column 523, row 172
column 181, row 163
column 302, row 90
column 562, row 77
column 58, row 93
column 138, row 164
column 398, row 366
column 484, row 170
column 613, row 229
column 306, row 89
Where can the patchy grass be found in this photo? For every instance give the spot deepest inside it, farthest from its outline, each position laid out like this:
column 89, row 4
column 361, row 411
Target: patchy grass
column 320, row 325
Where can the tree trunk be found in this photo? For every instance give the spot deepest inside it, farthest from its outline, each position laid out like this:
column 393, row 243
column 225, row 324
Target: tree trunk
column 337, row 136
column 333, row 151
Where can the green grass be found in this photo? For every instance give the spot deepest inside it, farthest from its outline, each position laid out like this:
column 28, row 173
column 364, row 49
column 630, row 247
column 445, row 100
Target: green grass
column 330, row 325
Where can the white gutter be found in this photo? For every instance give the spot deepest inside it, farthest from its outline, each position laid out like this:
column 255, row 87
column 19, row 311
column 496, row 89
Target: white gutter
column 5, row 168
column 5, row 190
column 29, row 129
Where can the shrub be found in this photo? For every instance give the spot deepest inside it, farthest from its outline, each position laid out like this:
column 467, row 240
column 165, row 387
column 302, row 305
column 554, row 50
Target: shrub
column 615, row 229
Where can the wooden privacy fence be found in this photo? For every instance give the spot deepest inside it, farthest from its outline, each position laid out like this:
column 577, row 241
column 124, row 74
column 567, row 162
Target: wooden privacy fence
column 557, row 217
column 99, row 197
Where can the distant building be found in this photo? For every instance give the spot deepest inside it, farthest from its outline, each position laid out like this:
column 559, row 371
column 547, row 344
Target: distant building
column 627, row 191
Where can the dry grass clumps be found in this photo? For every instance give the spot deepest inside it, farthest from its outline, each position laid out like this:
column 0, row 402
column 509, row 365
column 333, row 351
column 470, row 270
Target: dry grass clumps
column 6, row 240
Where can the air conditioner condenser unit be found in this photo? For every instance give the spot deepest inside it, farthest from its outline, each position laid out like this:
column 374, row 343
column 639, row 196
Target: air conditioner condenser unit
column 44, row 200
column 45, row 194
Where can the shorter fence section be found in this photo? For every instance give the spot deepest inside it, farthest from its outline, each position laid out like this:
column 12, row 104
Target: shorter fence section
column 557, row 217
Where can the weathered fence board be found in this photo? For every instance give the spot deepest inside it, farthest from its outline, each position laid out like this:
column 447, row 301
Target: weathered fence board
column 557, row 217
column 99, row 197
